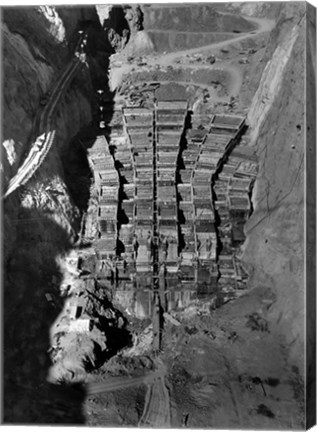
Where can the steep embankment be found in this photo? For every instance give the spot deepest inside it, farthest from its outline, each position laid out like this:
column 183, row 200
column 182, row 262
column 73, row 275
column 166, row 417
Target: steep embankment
column 202, row 18
column 39, row 219
column 177, row 28
column 274, row 248
column 32, row 62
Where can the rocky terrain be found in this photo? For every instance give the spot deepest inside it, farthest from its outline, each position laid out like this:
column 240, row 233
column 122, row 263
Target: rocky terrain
column 74, row 351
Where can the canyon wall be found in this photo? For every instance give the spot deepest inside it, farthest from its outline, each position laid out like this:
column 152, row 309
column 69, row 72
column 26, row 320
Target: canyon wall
column 274, row 249
column 32, row 62
column 40, row 219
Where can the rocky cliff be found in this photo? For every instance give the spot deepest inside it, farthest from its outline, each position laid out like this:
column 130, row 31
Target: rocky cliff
column 40, row 219
column 274, row 248
column 32, row 61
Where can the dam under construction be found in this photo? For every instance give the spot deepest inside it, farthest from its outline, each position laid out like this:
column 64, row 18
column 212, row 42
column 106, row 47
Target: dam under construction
column 173, row 192
column 155, row 163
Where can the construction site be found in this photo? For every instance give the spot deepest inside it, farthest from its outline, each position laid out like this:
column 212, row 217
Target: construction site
column 152, row 227
column 173, row 192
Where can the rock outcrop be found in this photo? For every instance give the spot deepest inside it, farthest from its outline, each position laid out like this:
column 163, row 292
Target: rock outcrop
column 120, row 23
column 40, row 219
column 274, row 248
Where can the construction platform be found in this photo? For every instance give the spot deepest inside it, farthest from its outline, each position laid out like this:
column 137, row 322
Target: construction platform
column 172, row 200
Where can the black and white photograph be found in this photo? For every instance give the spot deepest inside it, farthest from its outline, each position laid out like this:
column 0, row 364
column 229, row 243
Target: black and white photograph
column 158, row 193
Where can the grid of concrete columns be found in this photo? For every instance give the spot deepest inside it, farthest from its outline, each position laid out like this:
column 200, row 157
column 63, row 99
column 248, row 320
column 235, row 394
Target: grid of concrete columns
column 174, row 194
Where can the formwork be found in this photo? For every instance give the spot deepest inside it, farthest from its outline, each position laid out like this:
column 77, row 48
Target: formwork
column 108, row 194
column 166, row 193
column 168, row 139
column 151, row 139
column 108, row 211
column 185, row 176
column 188, row 254
column 201, row 176
column 189, row 159
column 144, row 211
column 128, row 207
column 239, row 184
column 187, row 273
column 201, row 191
column 247, row 170
column 185, row 193
column 196, row 135
column 116, row 129
column 106, row 165
column 237, row 233
column 227, row 171
column 167, row 210
column 126, row 233
column 129, row 191
column 169, row 107
column 239, row 203
column 217, row 142
column 244, row 153
column 187, row 210
column 127, row 176
column 179, row 299
column 143, row 159
column 143, row 174
column 227, row 124
column 166, row 175
column 144, row 192
column 118, row 142
column 138, row 117
column 107, row 226
column 204, row 212
column 206, row 251
column 169, row 119
column 105, row 246
column 142, row 139
column 167, row 158
column 135, row 116
column 168, row 227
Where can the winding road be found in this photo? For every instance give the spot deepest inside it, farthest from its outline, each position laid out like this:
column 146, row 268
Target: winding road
column 264, row 25
column 170, row 59
column 46, row 133
column 156, row 411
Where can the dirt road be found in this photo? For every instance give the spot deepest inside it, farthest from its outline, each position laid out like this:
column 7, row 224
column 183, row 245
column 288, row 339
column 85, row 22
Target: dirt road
column 264, row 25
column 164, row 60
column 157, row 404
column 45, row 132
column 156, row 412
column 119, row 383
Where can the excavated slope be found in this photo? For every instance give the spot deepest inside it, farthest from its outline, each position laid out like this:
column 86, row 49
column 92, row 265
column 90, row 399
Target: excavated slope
column 202, row 18
column 274, row 248
column 40, row 219
column 275, row 233
column 31, row 64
